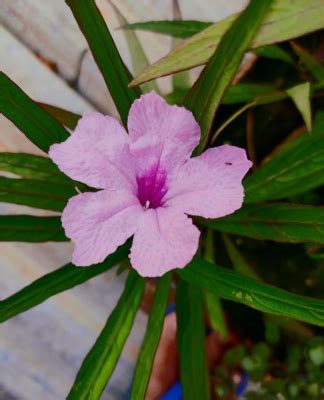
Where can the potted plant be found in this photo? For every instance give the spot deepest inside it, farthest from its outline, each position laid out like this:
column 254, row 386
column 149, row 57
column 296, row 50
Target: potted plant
column 163, row 188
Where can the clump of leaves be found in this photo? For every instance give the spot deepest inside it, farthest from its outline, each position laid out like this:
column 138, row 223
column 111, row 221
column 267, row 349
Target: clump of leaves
column 272, row 107
column 265, row 371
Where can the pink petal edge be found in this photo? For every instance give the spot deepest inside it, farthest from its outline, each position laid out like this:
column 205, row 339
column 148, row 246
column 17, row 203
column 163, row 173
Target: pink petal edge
column 170, row 133
column 100, row 222
column 165, row 239
column 210, row 185
column 97, row 153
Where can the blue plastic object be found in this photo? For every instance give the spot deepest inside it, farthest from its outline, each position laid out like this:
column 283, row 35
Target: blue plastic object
column 174, row 393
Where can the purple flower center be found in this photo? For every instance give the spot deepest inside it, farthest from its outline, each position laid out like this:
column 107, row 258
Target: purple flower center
column 152, row 187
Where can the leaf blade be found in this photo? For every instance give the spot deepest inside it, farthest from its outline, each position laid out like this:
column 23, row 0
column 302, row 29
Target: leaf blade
column 38, row 126
column 315, row 68
column 260, row 296
column 101, row 360
column 35, row 193
column 213, row 302
column 191, row 342
column 32, row 166
column 28, row 228
column 139, row 59
column 177, row 28
column 56, row 282
column 106, row 55
column 281, row 222
column 300, row 94
column 205, row 96
column 297, row 168
column 66, row 118
column 282, row 23
column 241, row 266
column 151, row 340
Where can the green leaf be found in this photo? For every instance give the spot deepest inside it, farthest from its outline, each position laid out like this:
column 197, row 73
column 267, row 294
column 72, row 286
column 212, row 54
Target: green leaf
column 259, row 101
column 67, row 118
column 286, row 20
column 279, row 222
column 313, row 66
column 40, row 127
column 243, row 267
column 213, row 302
column 239, row 263
column 235, row 94
column 260, row 296
column 105, row 52
column 181, row 80
column 151, row 339
column 34, row 193
column 100, row 362
column 33, row 167
column 27, row 228
column 139, row 59
column 245, row 92
column 300, row 95
column 216, row 314
column 274, row 52
column 186, row 29
column 56, row 282
column 205, row 96
column 296, row 169
column 177, row 28
column 191, row 342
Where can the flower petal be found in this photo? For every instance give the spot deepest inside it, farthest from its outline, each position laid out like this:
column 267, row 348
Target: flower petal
column 164, row 240
column 100, row 222
column 97, row 153
column 210, row 185
column 171, row 131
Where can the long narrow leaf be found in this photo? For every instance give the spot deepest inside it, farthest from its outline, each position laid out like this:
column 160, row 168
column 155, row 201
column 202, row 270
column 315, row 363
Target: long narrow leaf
column 181, row 80
column 232, row 286
column 213, row 302
column 281, row 222
column 191, row 342
column 239, row 263
column 300, row 95
column 274, row 52
column 296, row 169
column 245, row 92
column 56, row 282
column 186, row 29
column 177, row 28
column 242, row 267
column 34, row 193
column 27, row 228
column 40, row 127
column 206, row 94
column 260, row 100
column 105, row 52
column 139, row 59
column 32, row 166
column 100, row 362
column 151, row 339
column 282, row 23
column 67, row 118
column 315, row 68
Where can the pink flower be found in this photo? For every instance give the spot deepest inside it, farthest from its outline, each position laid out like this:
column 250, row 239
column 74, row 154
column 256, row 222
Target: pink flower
column 149, row 185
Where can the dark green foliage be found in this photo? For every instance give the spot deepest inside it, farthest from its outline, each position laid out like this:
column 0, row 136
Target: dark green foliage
column 40, row 127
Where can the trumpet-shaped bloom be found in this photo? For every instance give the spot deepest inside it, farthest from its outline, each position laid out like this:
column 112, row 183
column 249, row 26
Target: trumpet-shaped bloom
column 149, row 185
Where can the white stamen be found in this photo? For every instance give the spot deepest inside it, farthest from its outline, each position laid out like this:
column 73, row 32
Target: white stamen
column 147, row 204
